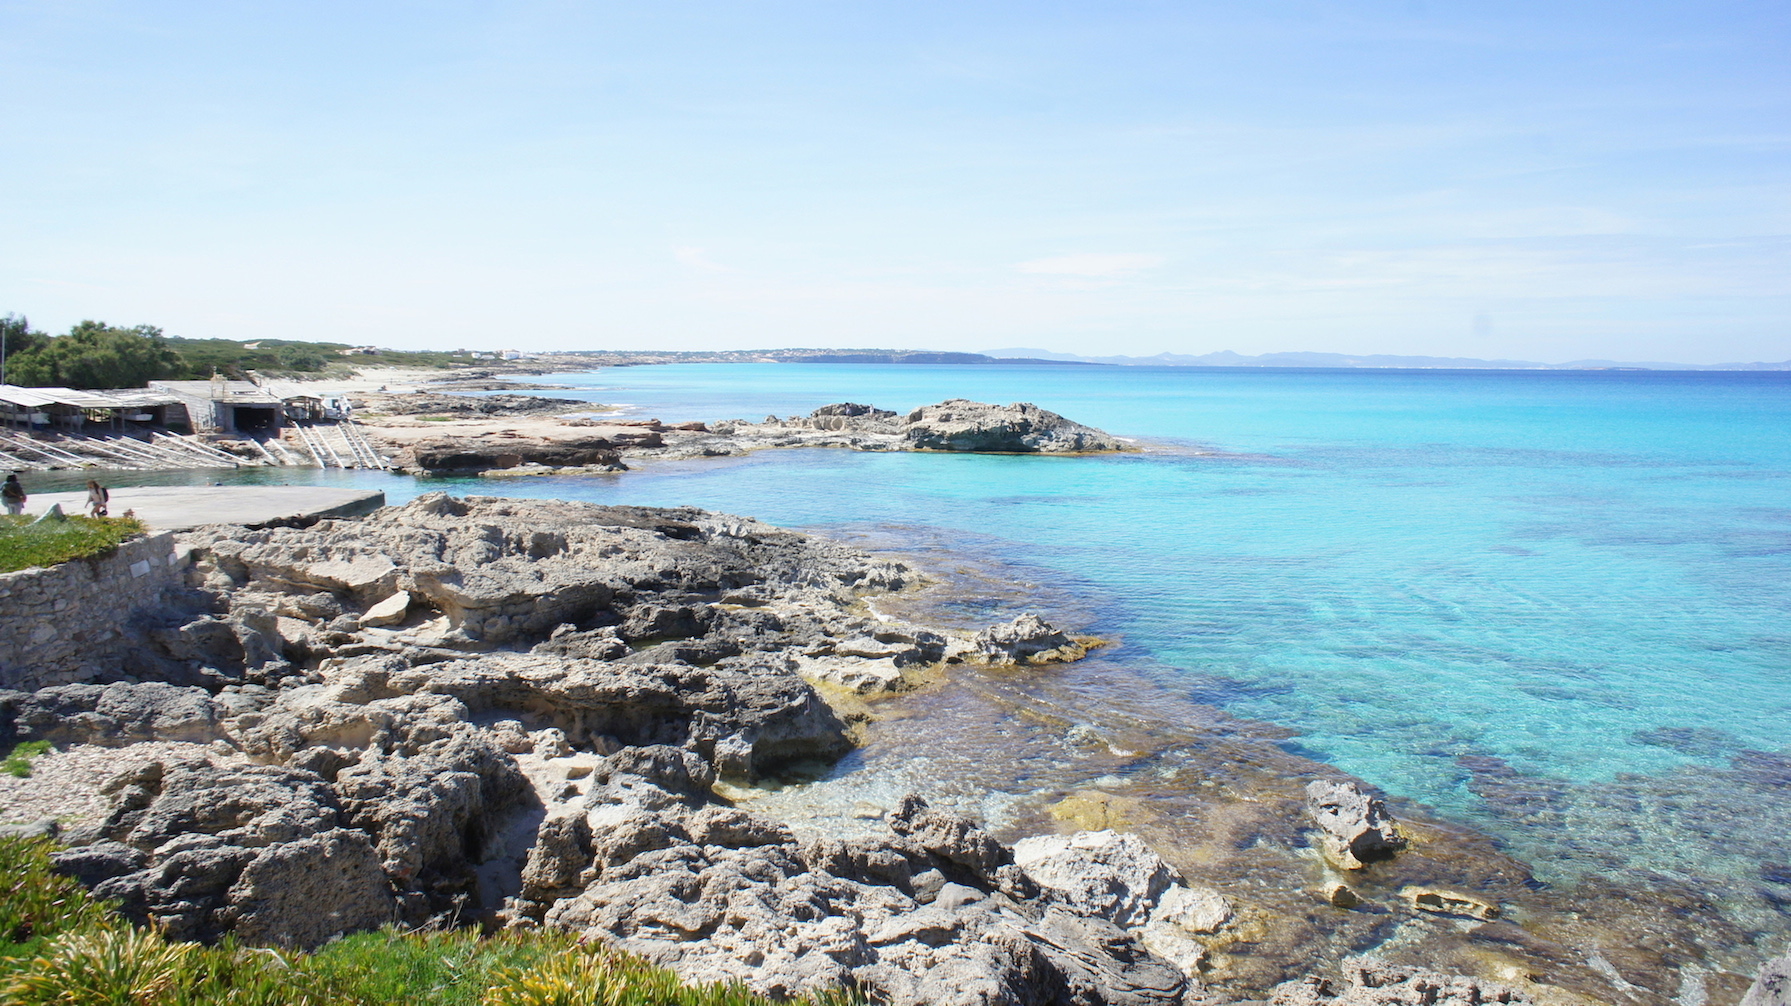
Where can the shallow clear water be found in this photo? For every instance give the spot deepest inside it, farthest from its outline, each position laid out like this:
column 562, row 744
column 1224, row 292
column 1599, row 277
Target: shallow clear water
column 1571, row 577
column 1494, row 593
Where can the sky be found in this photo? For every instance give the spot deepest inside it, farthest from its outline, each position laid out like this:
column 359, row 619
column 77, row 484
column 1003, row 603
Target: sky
column 1526, row 180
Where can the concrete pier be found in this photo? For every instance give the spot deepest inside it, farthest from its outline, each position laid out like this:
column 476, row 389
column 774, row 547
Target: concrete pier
column 176, row 508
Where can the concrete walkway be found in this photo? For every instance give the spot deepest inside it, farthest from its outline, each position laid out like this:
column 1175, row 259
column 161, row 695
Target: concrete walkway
column 176, row 508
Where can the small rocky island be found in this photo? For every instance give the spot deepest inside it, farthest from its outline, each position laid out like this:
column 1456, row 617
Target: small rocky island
column 603, row 444
column 519, row 712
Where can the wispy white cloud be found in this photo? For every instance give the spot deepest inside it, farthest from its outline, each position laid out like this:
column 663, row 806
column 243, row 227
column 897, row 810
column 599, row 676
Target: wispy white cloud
column 1092, row 264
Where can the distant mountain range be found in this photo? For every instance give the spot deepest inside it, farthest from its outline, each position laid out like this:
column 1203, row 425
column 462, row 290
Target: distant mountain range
column 1230, row 359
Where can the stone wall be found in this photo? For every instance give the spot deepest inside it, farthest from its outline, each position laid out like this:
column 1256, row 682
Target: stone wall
column 67, row 623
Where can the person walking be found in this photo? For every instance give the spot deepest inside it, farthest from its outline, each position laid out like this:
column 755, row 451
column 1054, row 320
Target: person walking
column 97, row 498
column 13, row 495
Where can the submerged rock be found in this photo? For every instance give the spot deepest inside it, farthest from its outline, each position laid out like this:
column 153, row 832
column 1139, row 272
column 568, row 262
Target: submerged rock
column 1370, row 982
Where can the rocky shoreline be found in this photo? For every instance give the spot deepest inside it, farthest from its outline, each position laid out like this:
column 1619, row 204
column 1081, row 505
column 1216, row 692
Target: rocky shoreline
column 520, row 711
column 535, row 714
column 586, row 445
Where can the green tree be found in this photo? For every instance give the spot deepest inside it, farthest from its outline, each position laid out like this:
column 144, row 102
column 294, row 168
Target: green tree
column 17, row 338
column 96, row 355
column 300, row 358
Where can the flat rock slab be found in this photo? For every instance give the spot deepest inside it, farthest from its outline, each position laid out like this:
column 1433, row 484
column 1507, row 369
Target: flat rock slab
column 177, row 508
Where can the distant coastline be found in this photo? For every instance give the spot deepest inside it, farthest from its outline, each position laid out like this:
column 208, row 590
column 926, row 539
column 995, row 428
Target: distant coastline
column 1025, row 356
column 1347, row 361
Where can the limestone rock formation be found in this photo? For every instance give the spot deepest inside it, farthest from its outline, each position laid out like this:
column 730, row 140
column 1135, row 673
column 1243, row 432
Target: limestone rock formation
column 1370, row 982
column 1357, row 829
column 112, row 715
column 958, row 425
column 1021, row 428
column 1026, row 639
column 722, row 895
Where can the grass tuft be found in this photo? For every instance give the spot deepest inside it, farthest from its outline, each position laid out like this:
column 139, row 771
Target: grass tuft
column 24, row 544
column 18, row 762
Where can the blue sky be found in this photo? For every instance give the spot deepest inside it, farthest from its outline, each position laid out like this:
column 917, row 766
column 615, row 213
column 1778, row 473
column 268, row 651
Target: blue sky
column 1543, row 181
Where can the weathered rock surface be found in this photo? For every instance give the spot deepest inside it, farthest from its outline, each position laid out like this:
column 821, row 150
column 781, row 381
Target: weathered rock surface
column 112, row 715
column 450, row 455
column 200, row 849
column 1772, row 987
column 719, row 894
column 1357, row 829
column 1022, row 428
column 1370, row 982
column 958, row 425
column 1026, row 639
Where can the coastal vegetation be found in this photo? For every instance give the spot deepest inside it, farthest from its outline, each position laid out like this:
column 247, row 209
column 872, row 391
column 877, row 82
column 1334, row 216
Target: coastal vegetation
column 17, row 762
column 58, row 945
column 26, row 542
column 94, row 354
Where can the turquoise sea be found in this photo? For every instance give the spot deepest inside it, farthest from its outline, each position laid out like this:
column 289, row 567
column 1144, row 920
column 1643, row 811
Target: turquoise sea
column 1459, row 586
column 1555, row 606
column 1583, row 574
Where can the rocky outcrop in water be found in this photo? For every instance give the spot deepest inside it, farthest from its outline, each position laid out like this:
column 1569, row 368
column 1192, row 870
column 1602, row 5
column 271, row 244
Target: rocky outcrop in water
column 1027, row 639
column 958, row 425
column 1021, row 428
column 1357, row 829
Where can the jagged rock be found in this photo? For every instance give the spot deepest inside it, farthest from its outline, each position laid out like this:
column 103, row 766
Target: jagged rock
column 721, row 895
column 1021, row 428
column 1370, row 982
column 1025, row 639
column 950, row 838
column 1772, row 986
column 1357, row 827
column 302, row 894
column 1116, row 877
column 115, row 714
column 1104, row 873
column 201, row 848
column 746, row 723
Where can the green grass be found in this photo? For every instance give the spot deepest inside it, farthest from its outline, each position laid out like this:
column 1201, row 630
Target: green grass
column 23, row 544
column 18, row 762
column 59, row 946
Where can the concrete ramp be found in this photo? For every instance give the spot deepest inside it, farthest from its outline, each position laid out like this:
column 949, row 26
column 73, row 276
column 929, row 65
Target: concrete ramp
column 175, row 508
